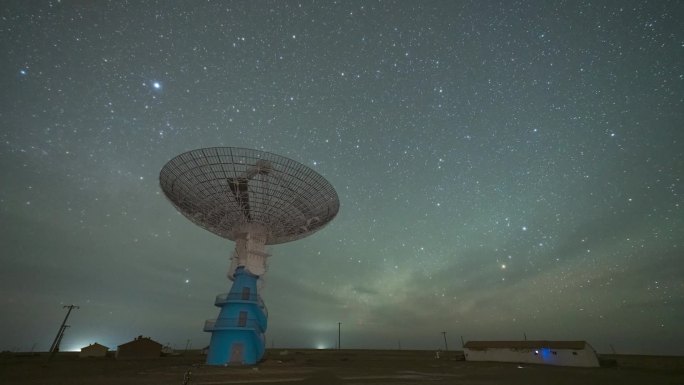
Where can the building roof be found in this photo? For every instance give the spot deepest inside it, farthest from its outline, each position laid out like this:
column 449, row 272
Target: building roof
column 141, row 340
column 478, row 345
column 95, row 346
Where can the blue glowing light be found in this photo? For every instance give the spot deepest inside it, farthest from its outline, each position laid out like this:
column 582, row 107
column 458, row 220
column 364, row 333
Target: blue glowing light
column 156, row 85
column 545, row 354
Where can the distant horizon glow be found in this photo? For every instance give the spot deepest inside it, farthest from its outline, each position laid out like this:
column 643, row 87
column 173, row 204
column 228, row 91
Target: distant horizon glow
column 76, row 346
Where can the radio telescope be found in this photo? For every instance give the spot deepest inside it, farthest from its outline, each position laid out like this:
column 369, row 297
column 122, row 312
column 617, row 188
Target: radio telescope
column 253, row 198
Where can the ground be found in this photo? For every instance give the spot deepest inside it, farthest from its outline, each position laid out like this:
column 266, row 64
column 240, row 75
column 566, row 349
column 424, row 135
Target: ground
column 329, row 367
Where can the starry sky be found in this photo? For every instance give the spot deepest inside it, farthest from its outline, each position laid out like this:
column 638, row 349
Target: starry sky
column 504, row 168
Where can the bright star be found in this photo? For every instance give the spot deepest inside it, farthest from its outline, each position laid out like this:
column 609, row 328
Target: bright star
column 156, row 85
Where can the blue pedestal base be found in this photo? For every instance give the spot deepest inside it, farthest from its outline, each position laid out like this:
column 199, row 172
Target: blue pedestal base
column 237, row 335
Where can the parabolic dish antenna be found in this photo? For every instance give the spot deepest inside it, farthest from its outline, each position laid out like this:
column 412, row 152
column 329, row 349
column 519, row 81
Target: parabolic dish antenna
column 254, row 198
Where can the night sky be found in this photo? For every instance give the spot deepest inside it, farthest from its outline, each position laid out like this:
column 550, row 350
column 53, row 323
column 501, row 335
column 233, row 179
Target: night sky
column 503, row 168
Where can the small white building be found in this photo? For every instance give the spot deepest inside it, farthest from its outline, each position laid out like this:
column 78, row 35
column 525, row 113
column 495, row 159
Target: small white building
column 561, row 353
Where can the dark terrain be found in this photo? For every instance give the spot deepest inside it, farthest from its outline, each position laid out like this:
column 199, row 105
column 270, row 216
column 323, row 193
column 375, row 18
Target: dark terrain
column 322, row 367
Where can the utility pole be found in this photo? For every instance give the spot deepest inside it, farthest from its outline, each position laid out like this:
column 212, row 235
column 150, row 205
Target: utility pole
column 446, row 347
column 59, row 342
column 339, row 334
column 55, row 344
